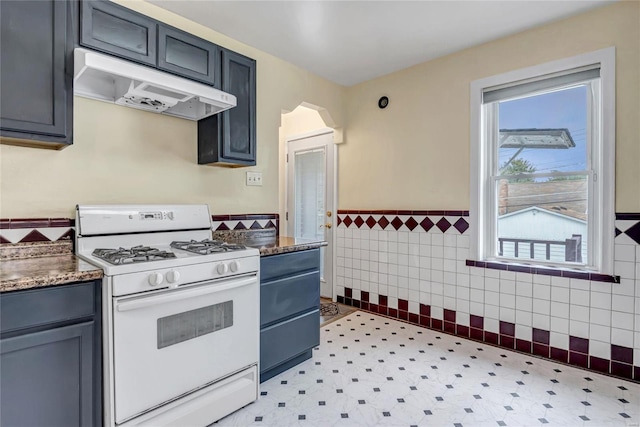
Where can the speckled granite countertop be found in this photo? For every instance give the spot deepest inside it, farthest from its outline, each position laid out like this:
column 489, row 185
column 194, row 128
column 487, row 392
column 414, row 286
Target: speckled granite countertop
column 33, row 265
column 267, row 241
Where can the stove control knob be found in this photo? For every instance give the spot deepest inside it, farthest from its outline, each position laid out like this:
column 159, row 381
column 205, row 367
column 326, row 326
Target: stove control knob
column 173, row 276
column 234, row 266
column 155, row 279
column 222, row 268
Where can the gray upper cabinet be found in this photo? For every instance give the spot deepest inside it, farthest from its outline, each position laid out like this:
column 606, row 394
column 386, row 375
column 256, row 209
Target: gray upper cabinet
column 229, row 138
column 187, row 55
column 36, row 72
column 114, row 29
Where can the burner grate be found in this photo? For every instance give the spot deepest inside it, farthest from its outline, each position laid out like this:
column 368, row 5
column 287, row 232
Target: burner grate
column 206, row 246
column 133, row 255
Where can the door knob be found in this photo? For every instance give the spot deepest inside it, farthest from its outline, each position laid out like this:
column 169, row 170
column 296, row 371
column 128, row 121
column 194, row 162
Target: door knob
column 327, row 225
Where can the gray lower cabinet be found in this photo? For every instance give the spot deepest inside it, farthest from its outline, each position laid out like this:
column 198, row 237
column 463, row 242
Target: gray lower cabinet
column 289, row 310
column 50, row 356
column 36, row 72
column 229, row 138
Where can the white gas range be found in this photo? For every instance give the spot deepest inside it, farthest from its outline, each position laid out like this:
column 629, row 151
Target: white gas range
column 180, row 314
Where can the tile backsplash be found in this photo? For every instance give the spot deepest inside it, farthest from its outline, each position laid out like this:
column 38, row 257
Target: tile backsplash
column 412, row 265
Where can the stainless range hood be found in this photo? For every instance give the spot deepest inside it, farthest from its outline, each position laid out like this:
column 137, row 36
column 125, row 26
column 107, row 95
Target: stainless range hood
column 103, row 77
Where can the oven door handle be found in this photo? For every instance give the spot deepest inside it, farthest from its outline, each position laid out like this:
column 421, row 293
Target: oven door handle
column 173, row 296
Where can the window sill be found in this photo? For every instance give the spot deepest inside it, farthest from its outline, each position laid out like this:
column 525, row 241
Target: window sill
column 546, row 271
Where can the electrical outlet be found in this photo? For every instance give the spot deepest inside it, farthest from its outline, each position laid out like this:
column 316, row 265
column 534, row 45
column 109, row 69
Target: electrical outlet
column 254, row 179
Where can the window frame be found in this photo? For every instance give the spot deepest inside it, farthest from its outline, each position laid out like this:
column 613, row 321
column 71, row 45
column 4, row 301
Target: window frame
column 482, row 214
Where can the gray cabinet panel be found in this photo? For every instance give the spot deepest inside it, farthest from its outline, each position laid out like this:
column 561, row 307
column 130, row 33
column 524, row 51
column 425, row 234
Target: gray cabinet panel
column 281, row 299
column 36, row 72
column 229, row 138
column 119, row 31
column 187, row 55
column 284, row 341
column 281, row 265
column 37, row 307
column 47, row 378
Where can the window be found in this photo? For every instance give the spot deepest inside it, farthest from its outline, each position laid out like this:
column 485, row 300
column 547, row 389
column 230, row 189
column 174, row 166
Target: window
column 542, row 164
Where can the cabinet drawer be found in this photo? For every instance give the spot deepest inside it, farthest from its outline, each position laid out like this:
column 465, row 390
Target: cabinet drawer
column 117, row 30
column 275, row 266
column 187, row 55
column 283, row 298
column 281, row 342
column 37, row 307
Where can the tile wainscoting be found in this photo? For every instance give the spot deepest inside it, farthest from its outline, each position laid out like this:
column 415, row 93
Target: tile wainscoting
column 413, row 265
column 23, row 230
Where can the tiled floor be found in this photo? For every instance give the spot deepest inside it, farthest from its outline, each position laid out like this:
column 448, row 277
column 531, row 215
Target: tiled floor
column 328, row 317
column 370, row 371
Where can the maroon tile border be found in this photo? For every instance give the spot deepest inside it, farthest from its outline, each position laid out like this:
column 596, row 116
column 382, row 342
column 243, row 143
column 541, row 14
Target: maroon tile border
column 573, row 274
column 628, row 216
column 402, row 212
column 620, row 365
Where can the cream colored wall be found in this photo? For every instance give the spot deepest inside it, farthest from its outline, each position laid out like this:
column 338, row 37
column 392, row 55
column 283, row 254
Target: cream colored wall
column 299, row 121
column 415, row 153
column 122, row 155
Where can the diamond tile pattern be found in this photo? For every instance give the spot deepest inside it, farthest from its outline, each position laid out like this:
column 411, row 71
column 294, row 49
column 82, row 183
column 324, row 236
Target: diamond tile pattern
column 443, row 224
column 415, row 398
column 358, row 221
column 396, row 223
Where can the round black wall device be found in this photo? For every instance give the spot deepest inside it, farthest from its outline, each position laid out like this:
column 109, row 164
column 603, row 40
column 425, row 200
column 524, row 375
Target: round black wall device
column 383, row 102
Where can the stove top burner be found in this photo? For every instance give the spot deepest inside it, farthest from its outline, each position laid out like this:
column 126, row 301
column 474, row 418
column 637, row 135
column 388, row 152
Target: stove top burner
column 206, row 246
column 135, row 254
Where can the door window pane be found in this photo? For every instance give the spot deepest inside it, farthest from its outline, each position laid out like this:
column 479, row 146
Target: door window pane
column 309, row 197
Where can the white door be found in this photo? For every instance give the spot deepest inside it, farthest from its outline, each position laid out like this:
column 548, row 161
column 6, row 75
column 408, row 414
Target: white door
column 310, row 196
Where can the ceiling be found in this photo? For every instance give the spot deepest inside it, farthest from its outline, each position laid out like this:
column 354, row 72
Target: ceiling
column 349, row 42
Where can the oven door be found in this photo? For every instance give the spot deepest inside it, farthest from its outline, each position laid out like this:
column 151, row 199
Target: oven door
column 170, row 343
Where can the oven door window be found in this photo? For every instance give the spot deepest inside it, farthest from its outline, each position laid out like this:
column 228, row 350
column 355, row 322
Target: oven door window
column 192, row 324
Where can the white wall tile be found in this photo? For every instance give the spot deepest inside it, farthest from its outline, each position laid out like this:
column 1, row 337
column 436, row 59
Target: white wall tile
column 492, row 284
column 625, row 253
column 476, row 282
column 579, row 297
column 462, row 292
column 579, row 312
column 488, row 272
column 560, row 294
column 476, row 295
column 599, row 316
column 507, row 301
column 559, row 340
column 600, row 300
column 524, row 289
column 599, row 332
column 414, row 296
column 625, row 269
column 524, row 318
column 559, row 324
column 622, row 320
column 507, row 275
column 580, row 284
column 636, row 356
column 476, row 308
column 542, row 291
column 601, row 349
column 541, row 321
column 462, row 306
column 491, row 311
column 523, row 332
column 462, row 241
column 462, row 318
column 437, row 301
column 425, row 298
column 524, row 303
column 507, row 314
column 507, row 286
column 622, row 303
column 560, row 281
column 414, row 306
column 491, row 325
column 541, row 279
column 541, row 306
column 492, row 297
column 578, row 329
column 622, row 337
column 559, row 309
column 437, row 312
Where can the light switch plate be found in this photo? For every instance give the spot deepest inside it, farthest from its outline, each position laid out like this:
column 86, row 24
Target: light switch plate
column 254, row 179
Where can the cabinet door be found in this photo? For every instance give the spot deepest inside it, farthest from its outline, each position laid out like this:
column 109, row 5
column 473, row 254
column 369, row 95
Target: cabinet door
column 36, row 72
column 239, row 123
column 119, row 31
column 47, row 378
column 187, row 55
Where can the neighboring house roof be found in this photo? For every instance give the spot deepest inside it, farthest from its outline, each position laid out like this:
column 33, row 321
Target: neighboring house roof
column 565, row 197
column 563, row 215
